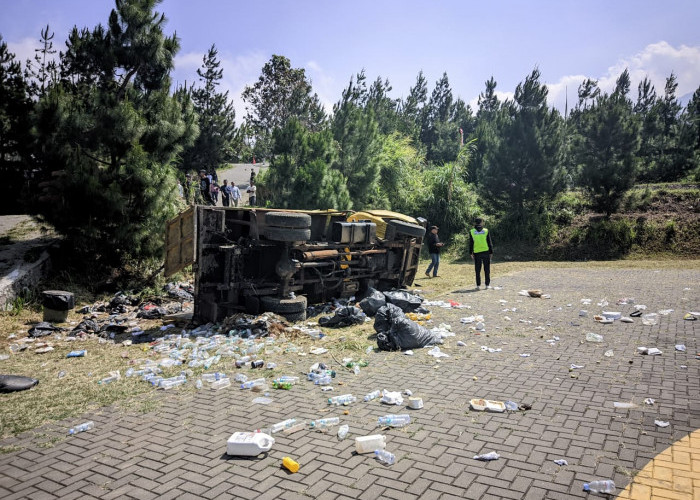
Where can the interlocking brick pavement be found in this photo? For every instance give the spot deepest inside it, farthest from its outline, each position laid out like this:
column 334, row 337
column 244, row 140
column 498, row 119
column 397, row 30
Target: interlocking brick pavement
column 178, row 449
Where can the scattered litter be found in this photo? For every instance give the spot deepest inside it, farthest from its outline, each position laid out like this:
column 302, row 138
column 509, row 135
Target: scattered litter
column 650, row 351
column 525, row 355
column 665, row 312
column 437, row 353
column 248, row 444
column 561, row 462
column 583, row 313
column 586, row 302
column 609, row 354
column 262, row 401
column 511, row 406
column 691, row 316
column 408, row 353
column 467, row 320
column 625, row 300
column 487, row 456
column 490, row 349
column 626, row 319
column 576, row 367
column 487, row 405
column 391, row 398
column 603, row 303
column 593, row 337
column 612, row 314
column 318, row 350
column 680, row 347
column 649, row 401
column 461, row 344
column 640, row 307
column 620, row 405
column 661, row 423
column 343, row 431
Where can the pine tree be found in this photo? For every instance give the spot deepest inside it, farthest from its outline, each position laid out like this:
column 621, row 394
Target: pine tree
column 606, row 144
column 689, row 142
column 15, row 140
column 412, row 109
column 114, row 131
column 354, row 128
column 217, row 140
column 43, row 71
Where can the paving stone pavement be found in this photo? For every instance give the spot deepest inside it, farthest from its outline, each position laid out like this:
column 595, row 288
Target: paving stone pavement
column 178, row 449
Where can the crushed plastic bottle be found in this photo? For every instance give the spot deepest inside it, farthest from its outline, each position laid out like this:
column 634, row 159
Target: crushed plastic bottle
column 385, row 456
column 282, row 425
column 604, row 487
column 394, row 420
column 251, row 383
column 82, row 427
column 294, row 428
column 373, row 395
column 324, row 423
column 487, row 456
column 343, row 431
column 198, row 384
column 593, row 337
column 221, row 384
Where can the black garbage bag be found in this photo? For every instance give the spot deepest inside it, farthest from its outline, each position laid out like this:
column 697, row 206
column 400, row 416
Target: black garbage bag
column 406, row 334
column 42, row 329
column 87, row 326
column 177, row 291
column 151, row 311
column 405, row 300
column 372, row 302
column 13, row 383
column 382, row 320
column 344, row 316
column 58, row 300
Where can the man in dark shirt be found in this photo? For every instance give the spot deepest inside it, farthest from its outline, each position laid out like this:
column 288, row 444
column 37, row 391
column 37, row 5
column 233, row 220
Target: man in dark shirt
column 434, row 245
column 205, row 187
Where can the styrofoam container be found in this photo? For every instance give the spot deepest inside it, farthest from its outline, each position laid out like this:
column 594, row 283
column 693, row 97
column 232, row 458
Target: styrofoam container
column 248, row 444
column 367, row 444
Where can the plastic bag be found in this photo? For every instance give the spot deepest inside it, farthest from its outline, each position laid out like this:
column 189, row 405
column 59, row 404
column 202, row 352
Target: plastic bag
column 372, row 302
column 12, row 383
column 406, row 334
column 403, row 299
column 344, row 316
column 42, row 329
column 384, row 316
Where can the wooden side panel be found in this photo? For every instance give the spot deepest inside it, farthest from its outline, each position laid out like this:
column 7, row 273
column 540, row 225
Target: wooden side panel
column 180, row 242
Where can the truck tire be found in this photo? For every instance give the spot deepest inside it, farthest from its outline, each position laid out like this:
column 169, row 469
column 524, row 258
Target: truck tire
column 407, row 228
column 295, row 317
column 283, row 306
column 287, row 234
column 288, row 219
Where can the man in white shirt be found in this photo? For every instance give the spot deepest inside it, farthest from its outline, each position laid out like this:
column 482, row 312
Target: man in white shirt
column 235, row 193
column 251, row 194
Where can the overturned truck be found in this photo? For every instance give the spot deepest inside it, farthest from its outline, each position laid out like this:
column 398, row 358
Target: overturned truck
column 254, row 260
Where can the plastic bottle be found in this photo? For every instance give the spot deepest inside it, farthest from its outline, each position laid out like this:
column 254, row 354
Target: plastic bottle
column 343, row 431
column 82, row 427
column 601, row 486
column 169, row 384
column 282, row 425
column 249, row 384
column 241, row 378
column 242, row 361
column 76, row 354
column 324, row 423
column 294, row 428
column 385, row 456
column 221, row 384
column 325, row 380
column 394, row 420
column 277, row 384
column 345, row 399
column 271, row 366
column 198, row 384
column 288, row 379
column 373, row 395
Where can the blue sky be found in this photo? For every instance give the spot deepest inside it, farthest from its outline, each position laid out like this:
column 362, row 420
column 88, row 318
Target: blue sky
column 471, row 41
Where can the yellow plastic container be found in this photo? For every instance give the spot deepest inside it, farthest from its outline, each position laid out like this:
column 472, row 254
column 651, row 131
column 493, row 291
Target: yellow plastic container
column 290, row 464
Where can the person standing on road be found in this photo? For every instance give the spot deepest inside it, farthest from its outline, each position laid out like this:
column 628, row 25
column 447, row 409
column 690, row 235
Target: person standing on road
column 481, row 250
column 434, row 245
column 205, row 187
column 251, row 194
column 235, row 194
column 225, row 194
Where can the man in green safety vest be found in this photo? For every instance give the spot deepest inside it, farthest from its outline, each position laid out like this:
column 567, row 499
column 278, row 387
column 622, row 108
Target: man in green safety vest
column 481, row 249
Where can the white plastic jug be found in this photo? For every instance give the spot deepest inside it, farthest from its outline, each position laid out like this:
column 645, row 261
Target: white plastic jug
column 248, row 444
column 367, row 444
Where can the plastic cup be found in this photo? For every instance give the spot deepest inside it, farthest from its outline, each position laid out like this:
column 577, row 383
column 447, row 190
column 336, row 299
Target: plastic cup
column 290, row 464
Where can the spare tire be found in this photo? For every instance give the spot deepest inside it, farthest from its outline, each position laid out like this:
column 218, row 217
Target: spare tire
column 288, row 219
column 13, row 383
column 277, row 305
column 407, row 228
column 287, row 234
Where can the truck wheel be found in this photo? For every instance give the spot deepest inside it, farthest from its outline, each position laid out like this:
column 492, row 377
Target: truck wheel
column 287, row 234
column 288, row 219
column 407, row 228
column 283, row 306
column 295, row 317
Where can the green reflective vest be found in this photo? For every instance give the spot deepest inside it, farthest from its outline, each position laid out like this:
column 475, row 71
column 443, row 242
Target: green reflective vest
column 479, row 237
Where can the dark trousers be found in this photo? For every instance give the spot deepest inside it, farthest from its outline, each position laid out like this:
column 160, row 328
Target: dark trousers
column 485, row 258
column 225, row 200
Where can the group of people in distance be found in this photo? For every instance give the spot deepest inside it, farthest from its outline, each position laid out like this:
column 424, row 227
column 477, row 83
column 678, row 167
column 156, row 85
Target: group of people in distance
column 480, row 249
column 209, row 190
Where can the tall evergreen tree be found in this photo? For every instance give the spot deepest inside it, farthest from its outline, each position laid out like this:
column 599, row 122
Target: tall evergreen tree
column 384, row 107
column 301, row 174
column 280, row 94
column 15, row 140
column 217, row 140
column 485, row 131
column 606, row 144
column 43, row 70
column 522, row 167
column 114, row 131
column 439, row 133
column 355, row 129
column 413, row 108
column 689, row 142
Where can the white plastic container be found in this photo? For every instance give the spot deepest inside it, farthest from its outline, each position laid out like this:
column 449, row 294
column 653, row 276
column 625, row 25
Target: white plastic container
column 248, row 444
column 612, row 315
column 367, row 444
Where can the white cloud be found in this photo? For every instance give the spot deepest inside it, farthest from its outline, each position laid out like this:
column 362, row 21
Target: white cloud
column 502, row 96
column 323, row 84
column 24, row 49
column 656, row 61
